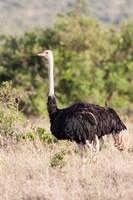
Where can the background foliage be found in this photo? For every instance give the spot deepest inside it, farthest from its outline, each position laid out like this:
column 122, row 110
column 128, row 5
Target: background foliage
column 18, row 16
column 92, row 63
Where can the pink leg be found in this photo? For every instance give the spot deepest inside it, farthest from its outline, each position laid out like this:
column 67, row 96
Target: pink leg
column 81, row 147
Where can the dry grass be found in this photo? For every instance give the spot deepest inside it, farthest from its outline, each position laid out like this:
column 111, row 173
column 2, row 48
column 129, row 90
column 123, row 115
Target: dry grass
column 25, row 173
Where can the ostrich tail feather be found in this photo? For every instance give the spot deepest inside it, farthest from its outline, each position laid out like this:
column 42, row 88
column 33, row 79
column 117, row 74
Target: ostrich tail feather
column 121, row 140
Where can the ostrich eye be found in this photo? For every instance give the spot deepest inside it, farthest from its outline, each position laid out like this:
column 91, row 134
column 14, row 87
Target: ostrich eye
column 46, row 52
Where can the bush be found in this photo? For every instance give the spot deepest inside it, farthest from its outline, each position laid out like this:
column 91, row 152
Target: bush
column 11, row 101
column 58, row 159
column 92, row 63
column 45, row 136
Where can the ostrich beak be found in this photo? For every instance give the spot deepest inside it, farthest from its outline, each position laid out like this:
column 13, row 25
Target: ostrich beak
column 40, row 54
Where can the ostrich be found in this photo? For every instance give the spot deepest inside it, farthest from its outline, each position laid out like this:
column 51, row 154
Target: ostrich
column 84, row 123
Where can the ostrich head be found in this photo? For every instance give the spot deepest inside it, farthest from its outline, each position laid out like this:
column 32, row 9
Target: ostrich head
column 47, row 54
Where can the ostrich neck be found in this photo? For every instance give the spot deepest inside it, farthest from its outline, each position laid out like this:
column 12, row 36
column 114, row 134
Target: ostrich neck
column 51, row 78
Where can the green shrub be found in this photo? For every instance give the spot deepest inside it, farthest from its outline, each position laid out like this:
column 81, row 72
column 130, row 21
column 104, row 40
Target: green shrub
column 58, row 159
column 10, row 111
column 31, row 134
column 130, row 150
column 92, row 63
column 106, row 146
column 45, row 136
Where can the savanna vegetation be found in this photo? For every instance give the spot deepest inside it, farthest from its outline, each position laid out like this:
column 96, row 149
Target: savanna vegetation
column 92, row 64
column 20, row 16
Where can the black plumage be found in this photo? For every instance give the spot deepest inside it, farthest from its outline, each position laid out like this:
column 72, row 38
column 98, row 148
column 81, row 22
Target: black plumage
column 83, row 123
